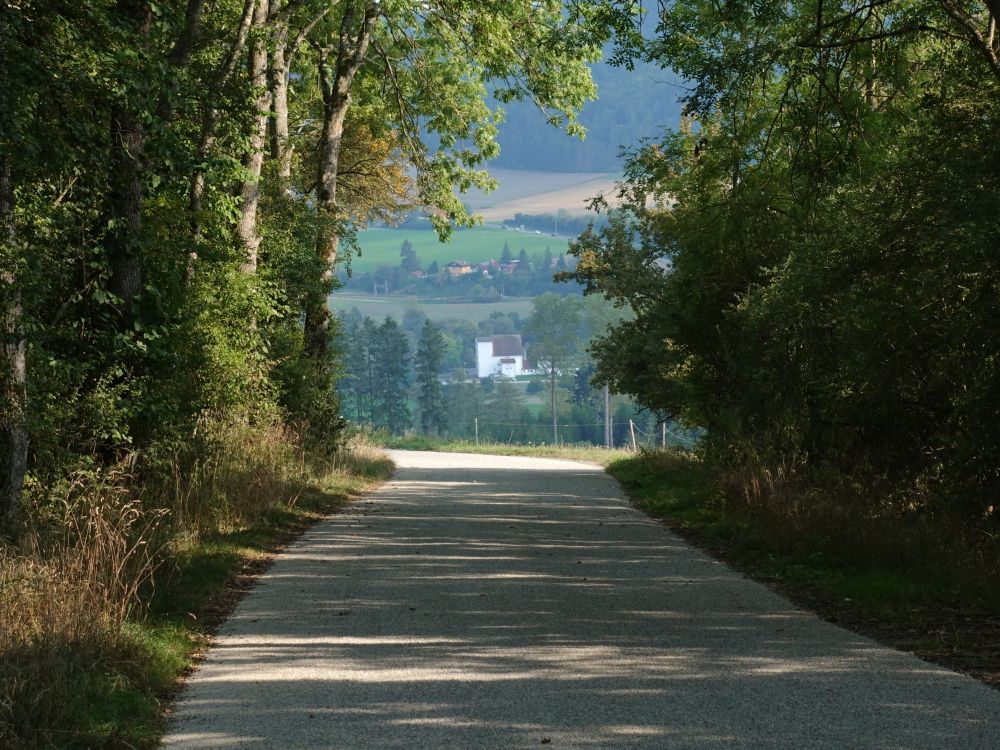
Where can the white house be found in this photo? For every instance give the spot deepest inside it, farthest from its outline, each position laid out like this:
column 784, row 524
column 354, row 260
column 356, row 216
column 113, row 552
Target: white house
column 499, row 355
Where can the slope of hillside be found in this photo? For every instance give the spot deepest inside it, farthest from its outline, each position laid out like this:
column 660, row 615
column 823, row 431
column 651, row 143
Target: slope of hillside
column 631, row 105
column 532, row 192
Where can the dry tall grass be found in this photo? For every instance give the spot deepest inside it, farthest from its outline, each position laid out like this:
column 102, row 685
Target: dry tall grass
column 67, row 589
column 244, row 471
column 252, row 469
column 76, row 579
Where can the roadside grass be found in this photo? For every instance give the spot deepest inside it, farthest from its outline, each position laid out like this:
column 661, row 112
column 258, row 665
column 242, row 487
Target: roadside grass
column 380, row 247
column 929, row 595
column 579, row 452
column 104, row 615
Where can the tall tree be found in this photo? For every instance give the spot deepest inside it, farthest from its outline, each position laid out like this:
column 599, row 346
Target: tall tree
column 391, row 375
column 128, row 147
column 211, row 118
column 523, row 264
column 358, row 380
column 338, row 60
column 553, row 327
column 427, row 366
column 253, row 159
column 794, row 251
column 409, row 261
column 13, row 375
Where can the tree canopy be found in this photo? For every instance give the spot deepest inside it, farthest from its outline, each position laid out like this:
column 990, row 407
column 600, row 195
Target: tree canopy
column 811, row 255
column 553, row 328
column 178, row 178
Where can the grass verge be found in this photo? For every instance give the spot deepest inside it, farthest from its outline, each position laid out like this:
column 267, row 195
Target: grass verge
column 107, row 609
column 945, row 615
column 583, row 452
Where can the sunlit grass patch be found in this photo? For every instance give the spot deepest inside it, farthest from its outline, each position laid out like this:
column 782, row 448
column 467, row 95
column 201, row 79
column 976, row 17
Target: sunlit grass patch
column 580, row 452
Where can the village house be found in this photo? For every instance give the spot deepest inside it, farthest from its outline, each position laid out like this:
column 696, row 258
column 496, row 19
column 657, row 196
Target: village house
column 458, row 268
column 502, row 356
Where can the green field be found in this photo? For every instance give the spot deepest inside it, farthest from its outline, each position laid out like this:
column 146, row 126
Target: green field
column 382, row 305
column 381, row 246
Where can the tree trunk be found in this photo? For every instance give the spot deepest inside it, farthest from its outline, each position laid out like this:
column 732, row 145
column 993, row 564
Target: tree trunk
column 128, row 149
column 126, row 246
column 281, row 65
column 13, row 371
column 281, row 150
column 327, row 239
column 189, row 34
column 253, row 161
column 351, row 51
column 209, row 126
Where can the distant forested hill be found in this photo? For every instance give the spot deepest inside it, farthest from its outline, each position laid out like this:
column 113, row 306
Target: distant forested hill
column 631, row 105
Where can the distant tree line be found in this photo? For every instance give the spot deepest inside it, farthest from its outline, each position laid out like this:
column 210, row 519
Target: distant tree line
column 418, row 376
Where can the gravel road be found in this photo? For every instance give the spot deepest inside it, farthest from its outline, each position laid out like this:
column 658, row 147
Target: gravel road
column 501, row 602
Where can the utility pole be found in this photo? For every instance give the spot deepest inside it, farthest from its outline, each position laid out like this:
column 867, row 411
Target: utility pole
column 477, row 430
column 664, row 435
column 631, row 429
column 608, row 435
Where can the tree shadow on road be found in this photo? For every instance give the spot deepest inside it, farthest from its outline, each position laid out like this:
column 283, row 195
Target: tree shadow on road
column 465, row 608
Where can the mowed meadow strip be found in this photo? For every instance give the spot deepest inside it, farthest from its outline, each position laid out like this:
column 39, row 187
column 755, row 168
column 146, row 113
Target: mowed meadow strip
column 379, row 306
column 380, row 247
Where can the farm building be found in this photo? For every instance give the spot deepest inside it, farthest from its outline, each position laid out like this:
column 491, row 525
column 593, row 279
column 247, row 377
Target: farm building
column 500, row 355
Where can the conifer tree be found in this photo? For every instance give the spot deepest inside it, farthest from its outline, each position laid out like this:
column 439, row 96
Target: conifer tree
column 409, row 261
column 359, row 370
column 430, row 397
column 391, row 362
column 523, row 264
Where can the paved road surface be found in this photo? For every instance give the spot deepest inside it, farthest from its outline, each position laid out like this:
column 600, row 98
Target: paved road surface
column 491, row 602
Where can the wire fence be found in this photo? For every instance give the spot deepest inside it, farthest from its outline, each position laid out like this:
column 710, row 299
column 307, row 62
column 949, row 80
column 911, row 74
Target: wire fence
column 623, row 433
